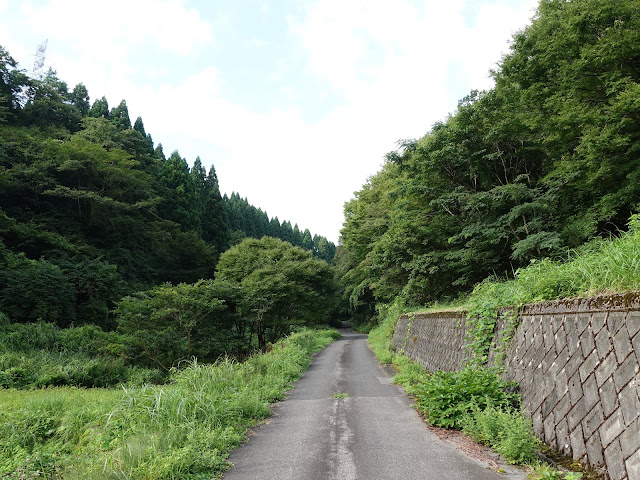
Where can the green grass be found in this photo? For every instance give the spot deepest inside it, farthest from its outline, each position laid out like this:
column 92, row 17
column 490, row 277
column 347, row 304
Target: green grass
column 41, row 355
column 598, row 267
column 184, row 429
column 380, row 336
column 42, row 430
column 601, row 266
column 506, row 430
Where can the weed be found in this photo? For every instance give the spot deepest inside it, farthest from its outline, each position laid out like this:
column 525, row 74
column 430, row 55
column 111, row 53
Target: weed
column 380, row 337
column 506, row 430
column 445, row 397
column 545, row 472
column 183, row 429
column 340, row 395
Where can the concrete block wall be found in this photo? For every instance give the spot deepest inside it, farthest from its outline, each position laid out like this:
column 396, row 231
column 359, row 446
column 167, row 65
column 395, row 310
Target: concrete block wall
column 578, row 365
column 435, row 340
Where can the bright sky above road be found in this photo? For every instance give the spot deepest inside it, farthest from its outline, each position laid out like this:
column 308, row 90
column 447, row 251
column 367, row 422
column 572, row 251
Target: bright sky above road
column 295, row 102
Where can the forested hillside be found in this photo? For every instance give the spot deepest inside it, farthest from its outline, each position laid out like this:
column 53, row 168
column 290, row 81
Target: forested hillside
column 543, row 162
column 91, row 209
column 245, row 220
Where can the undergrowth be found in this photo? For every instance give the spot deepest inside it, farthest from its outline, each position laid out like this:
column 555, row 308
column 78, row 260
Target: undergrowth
column 599, row 266
column 504, row 429
column 446, row 397
column 474, row 399
column 41, row 355
column 184, row 429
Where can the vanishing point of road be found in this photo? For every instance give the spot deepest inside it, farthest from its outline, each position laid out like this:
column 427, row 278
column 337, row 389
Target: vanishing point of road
column 371, row 434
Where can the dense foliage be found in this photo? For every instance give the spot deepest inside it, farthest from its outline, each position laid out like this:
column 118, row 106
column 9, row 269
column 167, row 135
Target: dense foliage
column 184, row 429
column 543, row 162
column 280, row 286
column 43, row 355
column 91, row 210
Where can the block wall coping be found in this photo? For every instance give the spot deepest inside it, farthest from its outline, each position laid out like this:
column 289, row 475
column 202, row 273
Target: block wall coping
column 619, row 302
column 616, row 302
column 452, row 314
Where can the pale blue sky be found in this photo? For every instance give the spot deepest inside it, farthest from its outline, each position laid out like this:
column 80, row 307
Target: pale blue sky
column 294, row 102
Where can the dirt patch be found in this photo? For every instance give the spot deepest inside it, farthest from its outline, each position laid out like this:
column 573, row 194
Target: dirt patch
column 468, row 446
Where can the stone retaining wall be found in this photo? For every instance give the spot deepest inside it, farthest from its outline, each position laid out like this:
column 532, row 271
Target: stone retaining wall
column 435, row 340
column 578, row 365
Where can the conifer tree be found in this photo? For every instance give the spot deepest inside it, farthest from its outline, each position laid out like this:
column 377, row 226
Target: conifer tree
column 138, row 126
column 100, row 108
column 120, row 116
column 215, row 226
column 180, row 203
column 158, row 153
column 307, row 241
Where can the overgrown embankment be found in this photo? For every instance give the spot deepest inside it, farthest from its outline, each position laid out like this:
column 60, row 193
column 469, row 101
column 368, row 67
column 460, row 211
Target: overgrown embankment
column 573, row 358
column 184, row 429
column 42, row 355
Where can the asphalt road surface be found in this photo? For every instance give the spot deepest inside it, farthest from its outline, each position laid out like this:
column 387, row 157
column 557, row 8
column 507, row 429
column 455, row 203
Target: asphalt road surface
column 373, row 433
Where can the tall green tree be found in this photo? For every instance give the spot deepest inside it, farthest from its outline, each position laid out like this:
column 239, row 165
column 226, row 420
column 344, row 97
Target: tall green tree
column 120, row 116
column 100, row 108
column 165, row 323
column 79, row 98
column 281, row 285
column 12, row 86
column 49, row 106
column 215, row 226
column 542, row 162
column 179, row 201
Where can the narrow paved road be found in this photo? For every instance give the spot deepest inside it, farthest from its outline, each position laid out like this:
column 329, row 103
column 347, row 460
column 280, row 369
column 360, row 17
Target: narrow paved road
column 372, row 434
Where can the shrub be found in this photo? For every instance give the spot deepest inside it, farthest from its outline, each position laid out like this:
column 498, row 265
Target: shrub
column 444, row 397
column 508, row 431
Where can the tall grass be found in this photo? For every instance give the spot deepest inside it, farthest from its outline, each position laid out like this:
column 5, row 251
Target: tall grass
column 184, row 429
column 381, row 335
column 600, row 266
column 41, row 354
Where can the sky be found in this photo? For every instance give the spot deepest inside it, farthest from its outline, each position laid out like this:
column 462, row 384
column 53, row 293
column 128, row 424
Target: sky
column 295, row 102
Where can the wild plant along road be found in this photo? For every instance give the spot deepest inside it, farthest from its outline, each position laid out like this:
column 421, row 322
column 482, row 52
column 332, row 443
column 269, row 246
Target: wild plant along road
column 346, row 420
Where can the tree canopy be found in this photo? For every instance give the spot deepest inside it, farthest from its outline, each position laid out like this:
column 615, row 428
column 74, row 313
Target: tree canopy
column 541, row 163
column 91, row 210
column 282, row 286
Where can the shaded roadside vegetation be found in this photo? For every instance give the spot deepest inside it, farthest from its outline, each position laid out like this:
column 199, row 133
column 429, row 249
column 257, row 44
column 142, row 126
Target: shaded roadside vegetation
column 529, row 170
column 528, row 192
column 183, row 429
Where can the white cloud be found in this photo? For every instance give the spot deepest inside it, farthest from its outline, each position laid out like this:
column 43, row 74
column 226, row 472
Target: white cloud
column 388, row 62
column 391, row 66
column 391, row 61
column 99, row 26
